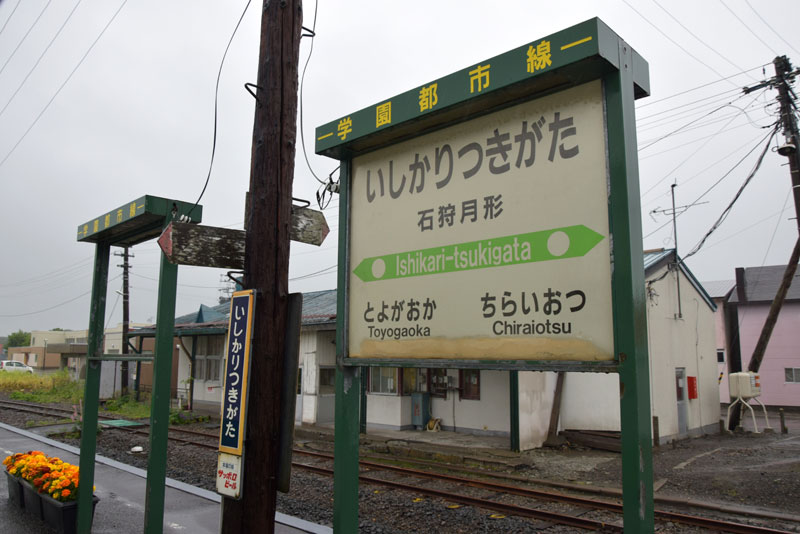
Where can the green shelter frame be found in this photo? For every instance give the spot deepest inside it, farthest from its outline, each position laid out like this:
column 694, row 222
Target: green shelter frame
column 133, row 223
column 587, row 51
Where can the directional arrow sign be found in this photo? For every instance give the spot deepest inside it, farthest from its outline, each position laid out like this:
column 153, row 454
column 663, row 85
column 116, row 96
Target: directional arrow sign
column 209, row 246
column 555, row 244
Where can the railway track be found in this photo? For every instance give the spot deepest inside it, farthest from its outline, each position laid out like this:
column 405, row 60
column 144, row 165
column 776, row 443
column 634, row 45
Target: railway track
column 581, row 505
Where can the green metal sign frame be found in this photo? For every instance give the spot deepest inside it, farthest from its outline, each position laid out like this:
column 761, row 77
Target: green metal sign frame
column 579, row 54
column 132, row 223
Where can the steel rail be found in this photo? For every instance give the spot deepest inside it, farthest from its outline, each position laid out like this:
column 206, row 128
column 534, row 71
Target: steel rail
column 714, row 524
column 510, row 509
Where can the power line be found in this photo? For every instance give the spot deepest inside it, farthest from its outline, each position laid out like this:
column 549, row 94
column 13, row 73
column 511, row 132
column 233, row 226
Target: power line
column 652, row 102
column 748, row 27
column 39, row 116
column 180, row 285
column 691, row 143
column 302, row 81
column 39, row 278
column 770, row 135
column 216, row 102
column 673, row 41
column 682, row 108
column 701, row 147
column 690, row 32
column 52, row 307
column 10, row 16
column 40, row 57
column 750, row 226
column 707, row 191
column 683, row 127
column 696, row 124
column 728, row 209
column 768, row 25
column 321, row 272
column 25, row 36
column 737, row 150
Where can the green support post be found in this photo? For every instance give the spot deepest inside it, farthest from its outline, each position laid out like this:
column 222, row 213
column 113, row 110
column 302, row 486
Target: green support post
column 91, row 393
column 159, row 411
column 630, row 328
column 513, row 401
column 345, row 454
column 362, row 413
column 348, row 389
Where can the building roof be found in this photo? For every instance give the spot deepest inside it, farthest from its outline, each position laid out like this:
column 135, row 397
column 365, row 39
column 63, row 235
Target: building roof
column 719, row 289
column 656, row 258
column 762, row 283
column 319, row 309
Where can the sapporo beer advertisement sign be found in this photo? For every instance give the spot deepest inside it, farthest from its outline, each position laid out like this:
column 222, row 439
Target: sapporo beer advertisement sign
column 487, row 240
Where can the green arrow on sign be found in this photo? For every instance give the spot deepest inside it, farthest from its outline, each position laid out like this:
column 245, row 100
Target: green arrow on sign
column 555, row 244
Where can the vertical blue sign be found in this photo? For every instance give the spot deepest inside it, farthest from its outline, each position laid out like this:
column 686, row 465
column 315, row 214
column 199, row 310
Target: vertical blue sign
column 237, row 367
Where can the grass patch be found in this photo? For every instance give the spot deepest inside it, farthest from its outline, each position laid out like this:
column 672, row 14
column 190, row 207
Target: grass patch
column 127, row 407
column 53, row 388
column 182, row 417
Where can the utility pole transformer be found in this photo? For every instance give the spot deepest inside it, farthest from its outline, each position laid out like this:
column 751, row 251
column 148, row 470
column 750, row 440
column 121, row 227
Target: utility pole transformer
column 267, row 260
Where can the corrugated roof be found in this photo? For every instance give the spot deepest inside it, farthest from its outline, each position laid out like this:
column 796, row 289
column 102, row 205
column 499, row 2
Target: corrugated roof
column 654, row 257
column 319, row 307
column 761, row 284
column 718, row 289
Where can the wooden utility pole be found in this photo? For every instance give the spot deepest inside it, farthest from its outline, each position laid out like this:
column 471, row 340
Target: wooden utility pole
column 125, row 317
column 791, row 149
column 267, row 260
column 784, row 75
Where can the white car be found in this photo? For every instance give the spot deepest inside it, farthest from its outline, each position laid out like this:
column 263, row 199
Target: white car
column 8, row 365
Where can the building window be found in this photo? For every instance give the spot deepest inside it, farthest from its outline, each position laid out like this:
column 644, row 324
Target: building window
column 199, row 369
column 414, row 380
column 213, row 366
column 470, row 381
column 207, row 368
column 327, row 380
column 720, row 355
column 383, row 380
column 299, row 380
column 792, row 375
column 438, row 382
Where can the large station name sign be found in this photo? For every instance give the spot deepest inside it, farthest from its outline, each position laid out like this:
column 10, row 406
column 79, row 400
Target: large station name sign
column 486, row 240
column 484, row 236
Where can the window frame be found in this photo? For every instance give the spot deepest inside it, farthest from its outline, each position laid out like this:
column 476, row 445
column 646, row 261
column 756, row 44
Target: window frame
column 371, row 381
column 332, row 386
column 795, row 377
column 467, row 390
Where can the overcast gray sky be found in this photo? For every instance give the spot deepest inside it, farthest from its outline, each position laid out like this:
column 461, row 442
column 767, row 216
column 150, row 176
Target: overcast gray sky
column 136, row 118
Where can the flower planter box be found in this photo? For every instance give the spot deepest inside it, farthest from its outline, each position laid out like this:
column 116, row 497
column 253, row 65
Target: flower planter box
column 15, row 490
column 62, row 516
column 33, row 500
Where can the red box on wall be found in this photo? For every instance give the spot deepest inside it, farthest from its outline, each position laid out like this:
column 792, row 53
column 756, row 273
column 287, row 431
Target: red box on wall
column 692, row 386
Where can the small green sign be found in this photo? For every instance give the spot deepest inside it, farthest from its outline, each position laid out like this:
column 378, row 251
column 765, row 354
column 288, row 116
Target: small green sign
column 545, row 245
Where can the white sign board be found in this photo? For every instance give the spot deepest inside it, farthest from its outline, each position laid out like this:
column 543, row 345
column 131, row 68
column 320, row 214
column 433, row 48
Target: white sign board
column 229, row 475
column 487, row 240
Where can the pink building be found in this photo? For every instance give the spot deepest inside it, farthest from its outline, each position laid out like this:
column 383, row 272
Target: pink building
column 745, row 314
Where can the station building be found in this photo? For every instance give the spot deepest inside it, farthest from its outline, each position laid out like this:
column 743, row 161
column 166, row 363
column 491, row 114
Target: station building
column 683, row 373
